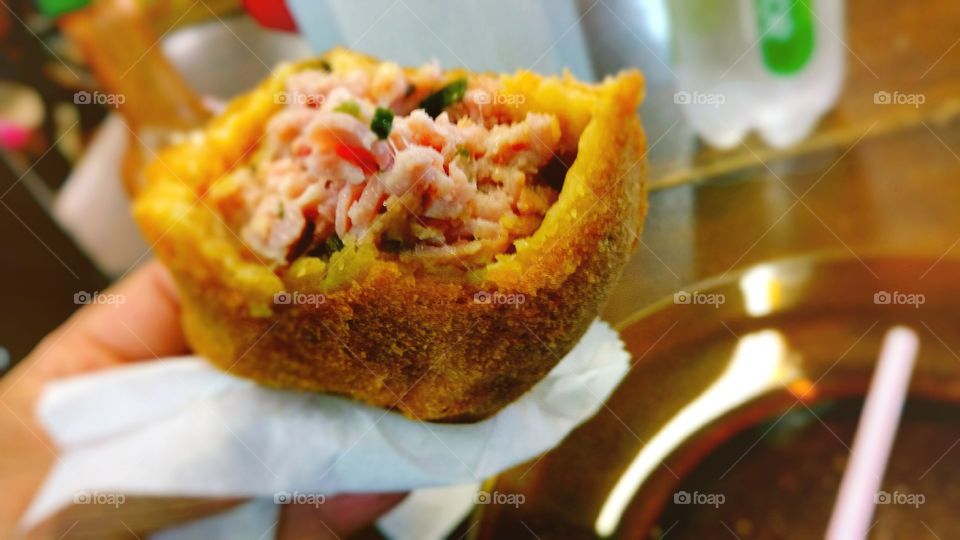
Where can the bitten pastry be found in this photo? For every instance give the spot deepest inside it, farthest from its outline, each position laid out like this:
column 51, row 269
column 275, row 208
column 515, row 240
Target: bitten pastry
column 428, row 241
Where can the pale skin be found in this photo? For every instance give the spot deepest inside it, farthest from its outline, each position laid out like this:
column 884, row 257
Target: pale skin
column 99, row 336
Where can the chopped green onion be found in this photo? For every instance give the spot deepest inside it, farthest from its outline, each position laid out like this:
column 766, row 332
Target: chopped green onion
column 382, row 122
column 349, row 107
column 333, row 244
column 463, row 152
column 321, row 248
column 450, row 94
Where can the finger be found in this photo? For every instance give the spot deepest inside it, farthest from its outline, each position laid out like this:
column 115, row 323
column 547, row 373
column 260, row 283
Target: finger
column 139, row 319
column 145, row 324
column 338, row 517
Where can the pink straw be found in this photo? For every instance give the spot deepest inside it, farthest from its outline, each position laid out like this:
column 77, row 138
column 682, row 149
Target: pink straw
column 876, row 431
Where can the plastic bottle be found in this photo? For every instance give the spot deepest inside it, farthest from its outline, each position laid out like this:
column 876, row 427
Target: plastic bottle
column 771, row 65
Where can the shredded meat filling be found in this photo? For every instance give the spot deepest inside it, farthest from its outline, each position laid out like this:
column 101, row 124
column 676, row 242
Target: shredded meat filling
column 359, row 154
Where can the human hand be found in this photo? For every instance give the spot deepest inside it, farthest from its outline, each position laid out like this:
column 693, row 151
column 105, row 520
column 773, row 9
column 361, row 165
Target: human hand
column 145, row 326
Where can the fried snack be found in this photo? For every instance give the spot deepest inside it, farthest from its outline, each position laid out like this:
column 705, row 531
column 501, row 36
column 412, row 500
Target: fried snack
column 315, row 251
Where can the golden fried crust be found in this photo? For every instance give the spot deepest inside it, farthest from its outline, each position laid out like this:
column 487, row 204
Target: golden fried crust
column 387, row 335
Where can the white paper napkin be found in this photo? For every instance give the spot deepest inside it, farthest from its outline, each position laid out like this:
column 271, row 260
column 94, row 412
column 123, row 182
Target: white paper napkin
column 425, row 514
column 180, row 427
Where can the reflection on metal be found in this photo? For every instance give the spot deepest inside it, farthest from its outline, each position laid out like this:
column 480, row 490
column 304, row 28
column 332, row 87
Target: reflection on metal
column 760, row 363
column 762, row 290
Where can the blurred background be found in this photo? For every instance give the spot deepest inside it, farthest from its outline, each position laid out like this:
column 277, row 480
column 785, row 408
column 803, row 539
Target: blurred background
column 803, row 163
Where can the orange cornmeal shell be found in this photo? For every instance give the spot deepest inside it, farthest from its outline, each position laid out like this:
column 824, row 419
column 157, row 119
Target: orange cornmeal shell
column 399, row 334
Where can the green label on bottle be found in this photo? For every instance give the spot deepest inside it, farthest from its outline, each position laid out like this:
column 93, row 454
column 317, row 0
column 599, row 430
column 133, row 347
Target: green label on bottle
column 55, row 8
column 786, row 34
